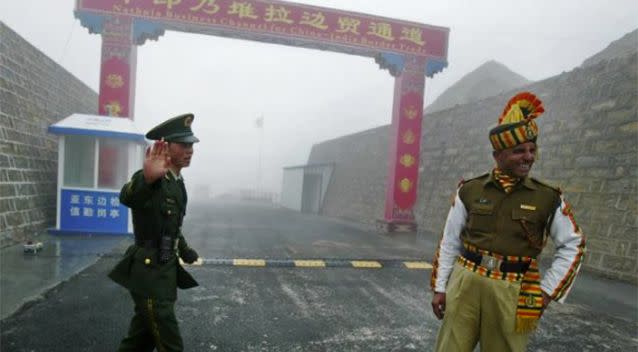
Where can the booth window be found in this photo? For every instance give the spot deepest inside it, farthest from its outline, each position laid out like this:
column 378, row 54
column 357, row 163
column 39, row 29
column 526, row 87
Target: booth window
column 79, row 156
column 113, row 163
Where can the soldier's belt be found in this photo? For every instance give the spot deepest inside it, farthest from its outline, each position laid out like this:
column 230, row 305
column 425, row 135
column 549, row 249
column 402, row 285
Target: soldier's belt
column 153, row 244
column 495, row 263
column 147, row 243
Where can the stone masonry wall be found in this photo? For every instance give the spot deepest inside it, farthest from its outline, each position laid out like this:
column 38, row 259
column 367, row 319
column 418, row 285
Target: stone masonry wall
column 588, row 147
column 35, row 92
column 358, row 179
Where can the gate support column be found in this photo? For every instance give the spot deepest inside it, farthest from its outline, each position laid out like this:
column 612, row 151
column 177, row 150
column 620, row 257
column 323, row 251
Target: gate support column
column 404, row 143
column 117, row 68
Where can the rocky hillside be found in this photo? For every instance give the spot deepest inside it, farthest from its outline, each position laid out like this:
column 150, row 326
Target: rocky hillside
column 624, row 46
column 488, row 80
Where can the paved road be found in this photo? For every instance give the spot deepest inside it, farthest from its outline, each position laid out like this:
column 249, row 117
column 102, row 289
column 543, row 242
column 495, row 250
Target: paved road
column 288, row 309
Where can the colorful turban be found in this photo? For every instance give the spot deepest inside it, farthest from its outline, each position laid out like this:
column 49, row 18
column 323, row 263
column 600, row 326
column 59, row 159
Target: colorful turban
column 516, row 125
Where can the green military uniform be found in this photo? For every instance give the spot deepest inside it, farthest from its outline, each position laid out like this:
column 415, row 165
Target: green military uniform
column 148, row 270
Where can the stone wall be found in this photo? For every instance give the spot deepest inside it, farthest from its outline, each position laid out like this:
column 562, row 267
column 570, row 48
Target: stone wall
column 358, row 179
column 588, row 146
column 35, row 92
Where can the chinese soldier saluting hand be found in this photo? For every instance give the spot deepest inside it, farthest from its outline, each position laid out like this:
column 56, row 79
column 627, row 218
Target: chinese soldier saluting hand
column 150, row 269
column 486, row 283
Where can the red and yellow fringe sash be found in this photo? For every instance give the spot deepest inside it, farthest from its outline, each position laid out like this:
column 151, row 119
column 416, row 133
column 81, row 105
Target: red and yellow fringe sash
column 530, row 298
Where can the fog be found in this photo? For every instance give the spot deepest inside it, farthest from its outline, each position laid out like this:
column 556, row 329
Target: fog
column 308, row 96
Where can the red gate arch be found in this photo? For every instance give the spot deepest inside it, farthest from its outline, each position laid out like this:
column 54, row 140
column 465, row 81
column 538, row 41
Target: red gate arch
column 410, row 51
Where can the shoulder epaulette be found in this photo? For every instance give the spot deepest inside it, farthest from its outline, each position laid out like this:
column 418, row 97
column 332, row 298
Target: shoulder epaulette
column 477, row 177
column 464, row 181
column 543, row 183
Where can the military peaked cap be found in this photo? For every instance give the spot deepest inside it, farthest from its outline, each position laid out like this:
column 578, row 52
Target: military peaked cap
column 178, row 129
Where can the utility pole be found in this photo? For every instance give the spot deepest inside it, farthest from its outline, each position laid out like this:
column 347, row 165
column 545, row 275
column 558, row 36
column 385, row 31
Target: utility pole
column 260, row 125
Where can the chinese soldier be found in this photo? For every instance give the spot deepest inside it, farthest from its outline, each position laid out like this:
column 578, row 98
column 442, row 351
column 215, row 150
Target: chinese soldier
column 150, row 269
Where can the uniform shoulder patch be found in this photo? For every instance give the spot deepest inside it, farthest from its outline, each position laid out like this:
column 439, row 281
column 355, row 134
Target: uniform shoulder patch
column 544, row 183
column 466, row 185
column 487, row 174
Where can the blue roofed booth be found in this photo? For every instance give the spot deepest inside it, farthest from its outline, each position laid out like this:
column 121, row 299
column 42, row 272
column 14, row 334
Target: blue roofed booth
column 96, row 156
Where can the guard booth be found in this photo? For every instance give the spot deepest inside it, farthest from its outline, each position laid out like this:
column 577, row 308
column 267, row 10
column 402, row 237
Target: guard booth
column 304, row 187
column 96, row 156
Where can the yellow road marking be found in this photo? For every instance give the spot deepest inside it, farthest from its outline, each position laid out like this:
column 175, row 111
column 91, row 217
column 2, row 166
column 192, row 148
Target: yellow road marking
column 249, row 262
column 417, row 265
column 310, row 263
column 366, row 264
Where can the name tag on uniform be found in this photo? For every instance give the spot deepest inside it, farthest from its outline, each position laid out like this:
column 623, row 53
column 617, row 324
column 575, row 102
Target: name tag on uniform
column 528, row 207
column 170, row 200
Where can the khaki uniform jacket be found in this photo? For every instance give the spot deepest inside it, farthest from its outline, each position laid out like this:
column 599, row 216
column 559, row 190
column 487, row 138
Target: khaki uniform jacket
column 157, row 209
column 509, row 224
column 514, row 224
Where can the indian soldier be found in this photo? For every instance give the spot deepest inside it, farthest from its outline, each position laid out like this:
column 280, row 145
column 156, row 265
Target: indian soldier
column 486, row 282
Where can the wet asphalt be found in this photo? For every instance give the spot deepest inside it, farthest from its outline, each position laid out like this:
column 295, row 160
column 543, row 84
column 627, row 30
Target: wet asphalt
column 297, row 309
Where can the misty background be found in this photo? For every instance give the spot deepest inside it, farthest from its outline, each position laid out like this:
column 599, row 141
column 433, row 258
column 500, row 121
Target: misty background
column 307, row 96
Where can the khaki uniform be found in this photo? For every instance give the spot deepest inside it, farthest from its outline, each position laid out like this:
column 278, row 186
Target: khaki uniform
column 486, row 261
column 481, row 304
column 495, row 218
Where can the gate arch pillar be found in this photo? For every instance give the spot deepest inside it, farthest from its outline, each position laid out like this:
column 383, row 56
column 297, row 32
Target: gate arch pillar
column 117, row 68
column 120, row 37
column 404, row 142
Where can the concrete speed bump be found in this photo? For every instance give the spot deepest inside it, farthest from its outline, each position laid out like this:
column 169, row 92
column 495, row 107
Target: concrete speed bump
column 249, row 262
column 320, row 263
column 370, row 264
column 417, row 265
column 310, row 263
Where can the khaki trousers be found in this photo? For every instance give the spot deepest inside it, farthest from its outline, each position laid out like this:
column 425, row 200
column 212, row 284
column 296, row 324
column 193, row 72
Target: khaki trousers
column 480, row 309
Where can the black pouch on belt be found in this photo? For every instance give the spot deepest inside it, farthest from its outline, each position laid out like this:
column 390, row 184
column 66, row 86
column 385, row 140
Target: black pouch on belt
column 166, row 250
